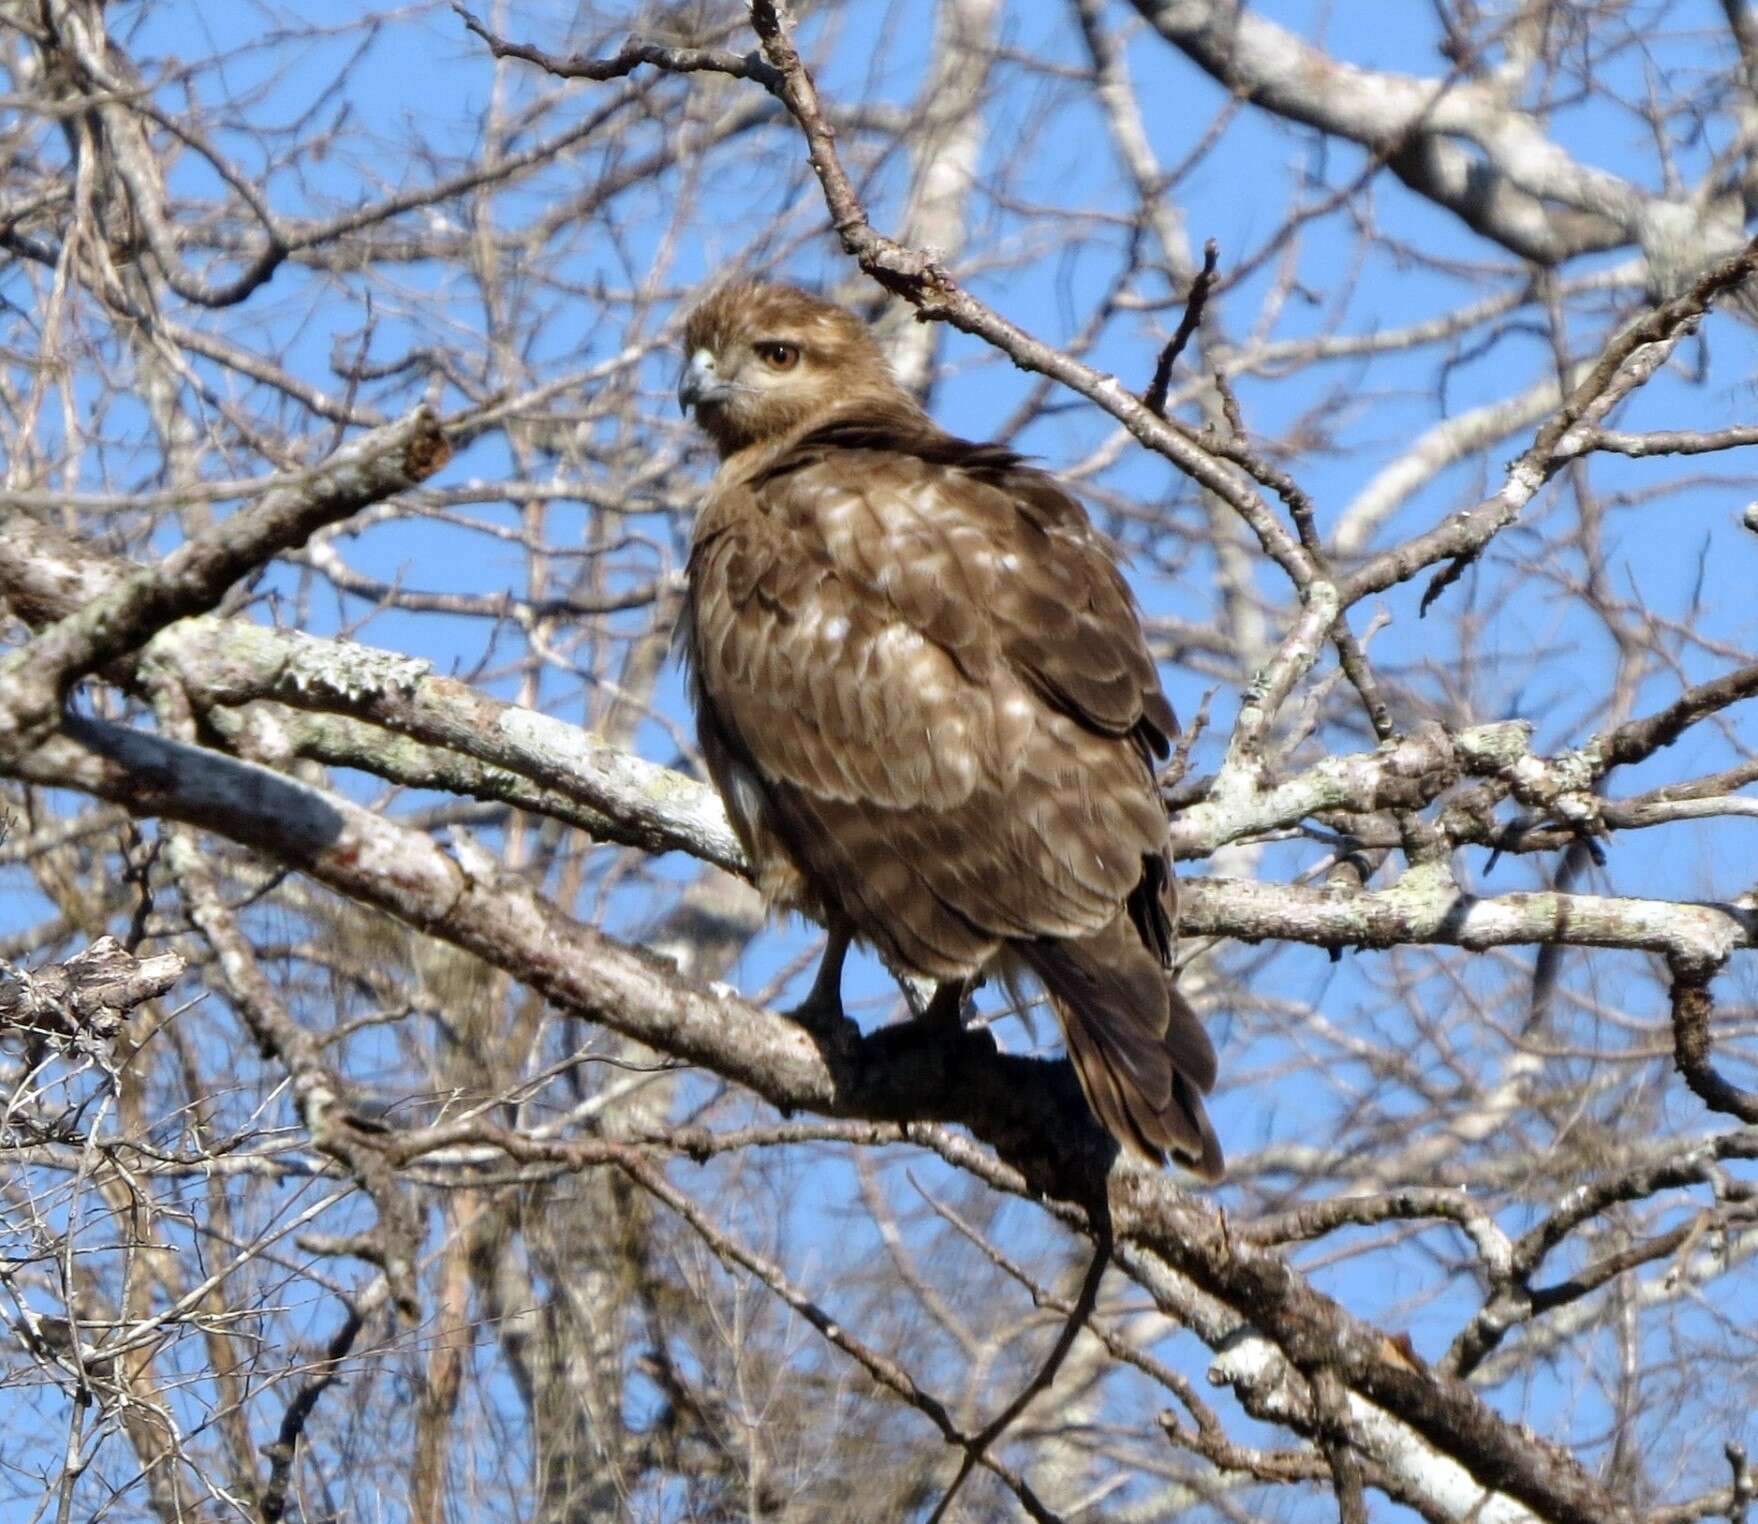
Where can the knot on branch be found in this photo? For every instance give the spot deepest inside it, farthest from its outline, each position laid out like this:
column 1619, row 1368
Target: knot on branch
column 1486, row 750
column 1560, row 788
column 87, row 996
column 1413, row 769
column 427, row 449
column 1692, row 1007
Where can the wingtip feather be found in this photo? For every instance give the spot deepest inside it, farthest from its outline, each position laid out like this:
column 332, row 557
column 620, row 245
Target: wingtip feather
column 1142, row 1058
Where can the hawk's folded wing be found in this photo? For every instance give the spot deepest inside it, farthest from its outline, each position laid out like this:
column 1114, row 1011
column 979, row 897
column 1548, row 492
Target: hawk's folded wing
column 927, row 680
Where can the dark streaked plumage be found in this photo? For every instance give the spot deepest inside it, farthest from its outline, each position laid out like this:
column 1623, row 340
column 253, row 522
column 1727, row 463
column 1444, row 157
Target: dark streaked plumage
column 923, row 691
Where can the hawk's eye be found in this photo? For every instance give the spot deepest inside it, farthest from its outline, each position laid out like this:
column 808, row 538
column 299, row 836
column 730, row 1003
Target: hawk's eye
column 777, row 355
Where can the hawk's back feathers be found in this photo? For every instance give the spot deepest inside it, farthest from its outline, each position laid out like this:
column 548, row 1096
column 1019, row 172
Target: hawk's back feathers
column 924, row 693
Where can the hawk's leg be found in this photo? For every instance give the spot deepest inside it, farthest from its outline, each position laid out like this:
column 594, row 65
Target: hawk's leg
column 822, row 1006
column 945, row 1012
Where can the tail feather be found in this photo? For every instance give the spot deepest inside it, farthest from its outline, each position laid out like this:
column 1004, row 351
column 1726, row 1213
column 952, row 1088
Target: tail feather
column 1142, row 1056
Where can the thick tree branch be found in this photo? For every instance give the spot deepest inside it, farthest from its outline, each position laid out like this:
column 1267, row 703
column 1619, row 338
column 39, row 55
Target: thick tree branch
column 1428, row 907
column 1518, row 187
column 195, row 576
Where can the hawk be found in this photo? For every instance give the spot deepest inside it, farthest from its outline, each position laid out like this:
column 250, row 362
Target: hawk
column 922, row 689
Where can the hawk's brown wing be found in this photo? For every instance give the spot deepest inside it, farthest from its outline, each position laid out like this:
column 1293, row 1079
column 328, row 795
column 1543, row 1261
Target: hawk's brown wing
column 923, row 678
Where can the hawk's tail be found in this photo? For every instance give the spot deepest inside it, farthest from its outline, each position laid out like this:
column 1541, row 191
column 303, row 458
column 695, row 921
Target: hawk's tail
column 1143, row 1058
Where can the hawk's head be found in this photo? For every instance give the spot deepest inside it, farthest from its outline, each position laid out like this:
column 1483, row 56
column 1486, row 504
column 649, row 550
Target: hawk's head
column 762, row 359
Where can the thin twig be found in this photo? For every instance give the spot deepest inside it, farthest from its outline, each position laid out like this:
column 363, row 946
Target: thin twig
column 1077, row 1320
column 1154, row 398
column 886, row 1371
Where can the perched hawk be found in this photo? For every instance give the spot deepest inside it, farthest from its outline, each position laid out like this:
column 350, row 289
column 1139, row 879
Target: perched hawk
column 922, row 690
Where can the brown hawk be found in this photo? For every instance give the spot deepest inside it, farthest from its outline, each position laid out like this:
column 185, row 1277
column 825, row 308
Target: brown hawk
column 923, row 692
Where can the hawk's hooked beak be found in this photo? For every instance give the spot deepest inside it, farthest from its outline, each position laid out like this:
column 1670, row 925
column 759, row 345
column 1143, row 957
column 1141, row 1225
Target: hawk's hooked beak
column 699, row 384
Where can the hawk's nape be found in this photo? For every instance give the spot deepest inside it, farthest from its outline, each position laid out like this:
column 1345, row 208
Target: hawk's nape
column 923, row 691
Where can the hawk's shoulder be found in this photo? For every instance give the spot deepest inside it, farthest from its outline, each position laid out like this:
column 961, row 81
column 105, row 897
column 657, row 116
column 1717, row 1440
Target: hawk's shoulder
column 985, row 556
